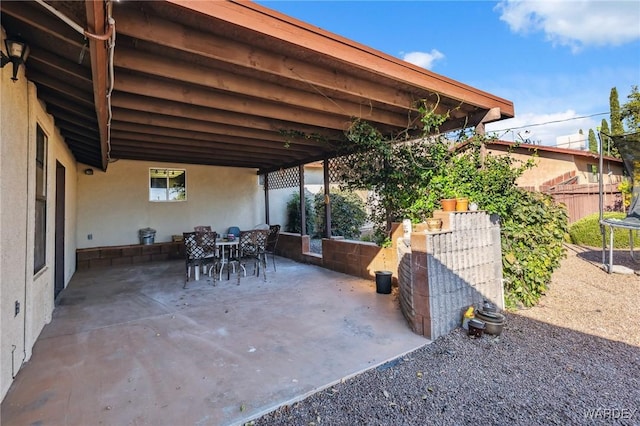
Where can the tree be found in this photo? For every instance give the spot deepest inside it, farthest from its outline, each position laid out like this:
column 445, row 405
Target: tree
column 631, row 111
column 616, row 117
column 607, row 147
column 593, row 143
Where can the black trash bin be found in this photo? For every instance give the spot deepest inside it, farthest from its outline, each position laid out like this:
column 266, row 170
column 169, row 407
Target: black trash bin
column 383, row 282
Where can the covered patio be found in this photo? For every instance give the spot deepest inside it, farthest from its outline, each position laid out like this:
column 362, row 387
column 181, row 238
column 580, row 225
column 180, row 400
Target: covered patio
column 128, row 345
column 235, row 97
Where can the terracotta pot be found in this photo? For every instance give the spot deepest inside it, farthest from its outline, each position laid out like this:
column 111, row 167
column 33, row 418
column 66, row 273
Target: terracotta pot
column 462, row 204
column 434, row 224
column 448, row 204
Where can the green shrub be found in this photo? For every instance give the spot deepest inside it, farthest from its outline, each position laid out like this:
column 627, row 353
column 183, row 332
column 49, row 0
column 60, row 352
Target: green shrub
column 410, row 179
column 347, row 214
column 586, row 231
column 293, row 214
column 532, row 247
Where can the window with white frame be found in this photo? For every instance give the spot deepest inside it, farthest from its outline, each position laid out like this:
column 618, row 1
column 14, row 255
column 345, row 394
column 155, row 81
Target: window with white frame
column 167, row 184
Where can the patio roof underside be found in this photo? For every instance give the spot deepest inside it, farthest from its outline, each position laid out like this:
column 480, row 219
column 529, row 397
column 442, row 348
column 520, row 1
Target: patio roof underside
column 218, row 83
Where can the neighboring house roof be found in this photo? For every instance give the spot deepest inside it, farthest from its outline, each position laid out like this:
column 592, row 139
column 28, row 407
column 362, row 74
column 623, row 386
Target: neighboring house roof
column 551, row 149
column 219, row 82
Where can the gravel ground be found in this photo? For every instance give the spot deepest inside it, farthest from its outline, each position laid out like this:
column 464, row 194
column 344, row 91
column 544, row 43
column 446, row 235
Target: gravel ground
column 573, row 359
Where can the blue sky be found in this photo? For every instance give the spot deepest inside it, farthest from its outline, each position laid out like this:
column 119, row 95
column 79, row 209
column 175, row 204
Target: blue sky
column 556, row 60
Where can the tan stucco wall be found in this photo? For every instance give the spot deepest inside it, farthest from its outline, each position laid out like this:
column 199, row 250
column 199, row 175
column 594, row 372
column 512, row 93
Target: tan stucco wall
column 550, row 165
column 113, row 205
column 20, row 111
column 14, row 133
column 278, row 199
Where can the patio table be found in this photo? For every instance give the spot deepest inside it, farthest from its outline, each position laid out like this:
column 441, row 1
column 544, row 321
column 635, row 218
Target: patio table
column 226, row 248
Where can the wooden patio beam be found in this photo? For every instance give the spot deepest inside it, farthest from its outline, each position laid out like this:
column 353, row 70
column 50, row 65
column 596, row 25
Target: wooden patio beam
column 212, row 142
column 239, row 84
column 195, row 159
column 152, row 119
column 62, row 114
column 191, row 94
column 52, row 98
column 64, row 88
column 257, row 18
column 136, row 146
column 264, row 128
column 157, row 30
column 96, row 23
column 42, row 59
column 35, row 16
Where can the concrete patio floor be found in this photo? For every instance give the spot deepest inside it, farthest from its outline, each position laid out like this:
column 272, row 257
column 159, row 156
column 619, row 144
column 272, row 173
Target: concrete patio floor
column 129, row 346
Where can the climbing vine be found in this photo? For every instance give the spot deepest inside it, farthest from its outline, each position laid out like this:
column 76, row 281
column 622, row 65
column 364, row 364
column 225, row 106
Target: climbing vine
column 408, row 177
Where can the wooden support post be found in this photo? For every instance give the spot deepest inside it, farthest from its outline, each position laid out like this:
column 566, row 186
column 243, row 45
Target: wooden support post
column 266, row 198
column 303, row 212
column 327, row 199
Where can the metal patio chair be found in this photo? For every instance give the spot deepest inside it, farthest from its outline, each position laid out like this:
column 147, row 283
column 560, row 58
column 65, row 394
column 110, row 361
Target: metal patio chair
column 252, row 246
column 272, row 241
column 200, row 250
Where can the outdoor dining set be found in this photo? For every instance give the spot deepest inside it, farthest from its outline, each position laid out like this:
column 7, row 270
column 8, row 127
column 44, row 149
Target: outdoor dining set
column 213, row 253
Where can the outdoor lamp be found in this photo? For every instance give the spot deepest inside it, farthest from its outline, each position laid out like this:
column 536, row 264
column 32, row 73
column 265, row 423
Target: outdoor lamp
column 17, row 53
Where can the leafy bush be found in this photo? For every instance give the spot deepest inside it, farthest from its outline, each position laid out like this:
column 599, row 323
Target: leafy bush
column 293, row 214
column 532, row 238
column 626, row 189
column 347, row 214
column 410, row 178
column 586, row 231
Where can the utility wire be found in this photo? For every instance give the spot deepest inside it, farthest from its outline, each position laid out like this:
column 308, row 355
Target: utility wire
column 551, row 122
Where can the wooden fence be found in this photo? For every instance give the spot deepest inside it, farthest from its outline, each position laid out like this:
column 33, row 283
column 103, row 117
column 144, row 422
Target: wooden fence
column 583, row 200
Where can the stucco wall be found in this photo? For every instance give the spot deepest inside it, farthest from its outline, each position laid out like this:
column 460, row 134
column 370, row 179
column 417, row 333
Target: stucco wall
column 552, row 164
column 40, row 301
column 114, row 205
column 14, row 149
column 20, row 112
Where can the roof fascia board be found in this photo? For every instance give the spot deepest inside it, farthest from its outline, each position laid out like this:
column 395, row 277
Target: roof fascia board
column 274, row 24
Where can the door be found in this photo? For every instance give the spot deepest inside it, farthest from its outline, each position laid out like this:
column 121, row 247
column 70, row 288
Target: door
column 59, row 237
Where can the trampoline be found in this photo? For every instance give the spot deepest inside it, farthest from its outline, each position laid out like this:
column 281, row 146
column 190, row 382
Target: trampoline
column 629, row 148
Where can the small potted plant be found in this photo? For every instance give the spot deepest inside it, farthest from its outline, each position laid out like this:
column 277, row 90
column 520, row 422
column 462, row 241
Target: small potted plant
column 462, row 204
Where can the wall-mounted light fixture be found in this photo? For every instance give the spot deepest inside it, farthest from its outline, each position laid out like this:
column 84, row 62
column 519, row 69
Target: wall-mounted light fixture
column 88, row 172
column 17, row 51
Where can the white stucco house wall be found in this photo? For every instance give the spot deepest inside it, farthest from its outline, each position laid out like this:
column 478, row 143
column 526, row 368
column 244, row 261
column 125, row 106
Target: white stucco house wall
column 27, row 295
column 99, row 209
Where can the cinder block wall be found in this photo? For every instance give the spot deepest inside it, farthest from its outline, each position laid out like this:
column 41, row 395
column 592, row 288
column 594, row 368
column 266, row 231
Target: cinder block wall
column 442, row 273
column 96, row 257
column 357, row 258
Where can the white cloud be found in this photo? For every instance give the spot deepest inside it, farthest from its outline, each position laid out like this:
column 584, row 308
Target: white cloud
column 543, row 128
column 576, row 23
column 423, row 59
